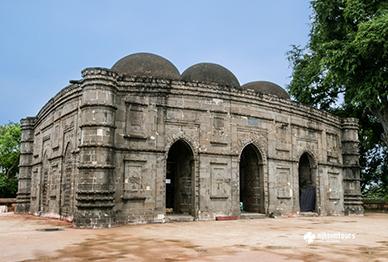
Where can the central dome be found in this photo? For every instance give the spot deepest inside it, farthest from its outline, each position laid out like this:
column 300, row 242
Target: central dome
column 210, row 73
column 146, row 65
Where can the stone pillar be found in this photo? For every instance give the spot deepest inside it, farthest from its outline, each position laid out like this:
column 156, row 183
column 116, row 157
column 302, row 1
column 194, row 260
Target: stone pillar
column 351, row 167
column 95, row 189
column 23, row 199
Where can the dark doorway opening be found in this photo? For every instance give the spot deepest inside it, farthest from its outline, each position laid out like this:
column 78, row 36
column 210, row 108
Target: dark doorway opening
column 307, row 188
column 179, row 179
column 251, row 180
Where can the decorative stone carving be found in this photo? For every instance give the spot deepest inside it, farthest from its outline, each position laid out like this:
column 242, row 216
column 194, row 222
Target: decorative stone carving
column 121, row 127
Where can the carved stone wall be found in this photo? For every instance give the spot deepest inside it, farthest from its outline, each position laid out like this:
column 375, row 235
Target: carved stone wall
column 351, row 168
column 97, row 152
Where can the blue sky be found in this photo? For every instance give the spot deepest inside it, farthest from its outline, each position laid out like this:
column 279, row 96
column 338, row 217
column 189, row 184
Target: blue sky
column 44, row 44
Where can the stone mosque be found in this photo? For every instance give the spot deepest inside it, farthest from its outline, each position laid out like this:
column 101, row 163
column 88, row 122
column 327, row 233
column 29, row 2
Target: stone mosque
column 142, row 143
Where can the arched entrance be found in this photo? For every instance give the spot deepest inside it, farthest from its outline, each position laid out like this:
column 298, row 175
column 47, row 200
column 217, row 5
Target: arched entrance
column 251, row 180
column 307, row 187
column 179, row 179
column 66, row 182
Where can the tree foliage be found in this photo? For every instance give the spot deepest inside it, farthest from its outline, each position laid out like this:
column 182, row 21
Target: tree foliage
column 9, row 158
column 344, row 69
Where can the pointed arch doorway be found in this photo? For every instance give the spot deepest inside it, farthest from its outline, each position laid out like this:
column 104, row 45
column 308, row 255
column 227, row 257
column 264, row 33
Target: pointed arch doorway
column 180, row 179
column 307, row 185
column 251, row 180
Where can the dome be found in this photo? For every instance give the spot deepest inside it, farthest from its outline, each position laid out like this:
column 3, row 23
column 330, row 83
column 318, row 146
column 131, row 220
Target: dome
column 210, row 73
column 146, row 65
column 265, row 87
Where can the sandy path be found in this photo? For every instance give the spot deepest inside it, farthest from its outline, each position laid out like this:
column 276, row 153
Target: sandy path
column 242, row 240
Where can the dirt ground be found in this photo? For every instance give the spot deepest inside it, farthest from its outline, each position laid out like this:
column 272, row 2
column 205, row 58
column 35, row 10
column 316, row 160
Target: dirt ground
column 24, row 238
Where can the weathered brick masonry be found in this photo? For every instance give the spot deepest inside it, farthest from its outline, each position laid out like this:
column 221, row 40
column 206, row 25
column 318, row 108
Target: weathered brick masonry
column 140, row 141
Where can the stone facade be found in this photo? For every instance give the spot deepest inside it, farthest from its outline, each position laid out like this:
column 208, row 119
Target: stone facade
column 116, row 148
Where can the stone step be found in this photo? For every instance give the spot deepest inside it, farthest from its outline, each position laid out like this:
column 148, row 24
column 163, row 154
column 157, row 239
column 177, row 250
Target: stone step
column 308, row 214
column 252, row 215
column 179, row 218
column 226, row 218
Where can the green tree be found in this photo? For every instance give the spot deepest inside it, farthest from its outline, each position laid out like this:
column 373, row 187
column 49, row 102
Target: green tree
column 9, row 158
column 347, row 54
column 344, row 69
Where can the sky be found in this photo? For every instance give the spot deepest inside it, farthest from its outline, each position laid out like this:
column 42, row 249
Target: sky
column 44, row 44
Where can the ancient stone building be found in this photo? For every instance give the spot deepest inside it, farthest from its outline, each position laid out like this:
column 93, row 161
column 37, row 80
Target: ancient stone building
column 141, row 142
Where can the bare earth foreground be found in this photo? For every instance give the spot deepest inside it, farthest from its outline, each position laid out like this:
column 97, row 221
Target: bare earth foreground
column 283, row 239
